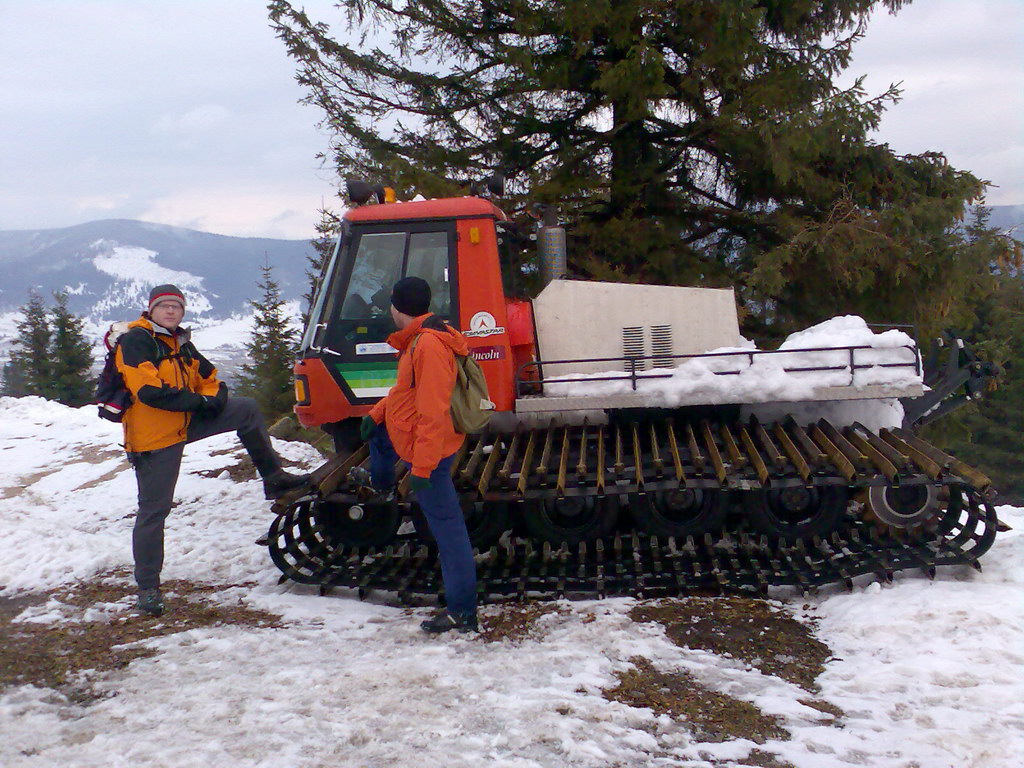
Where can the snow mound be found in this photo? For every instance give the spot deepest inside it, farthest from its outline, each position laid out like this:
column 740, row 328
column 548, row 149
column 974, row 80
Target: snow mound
column 843, row 352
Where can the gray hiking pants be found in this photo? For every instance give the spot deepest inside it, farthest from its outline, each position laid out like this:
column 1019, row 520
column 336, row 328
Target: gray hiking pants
column 156, row 473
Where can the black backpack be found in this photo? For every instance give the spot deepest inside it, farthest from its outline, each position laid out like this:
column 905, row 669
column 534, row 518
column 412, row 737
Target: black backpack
column 112, row 396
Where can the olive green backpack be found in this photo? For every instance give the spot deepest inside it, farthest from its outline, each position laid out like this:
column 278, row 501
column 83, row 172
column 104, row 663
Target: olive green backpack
column 471, row 406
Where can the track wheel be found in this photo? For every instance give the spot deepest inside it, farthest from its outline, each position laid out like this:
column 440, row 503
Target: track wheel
column 485, row 522
column 358, row 525
column 796, row 513
column 904, row 506
column 681, row 512
column 571, row 519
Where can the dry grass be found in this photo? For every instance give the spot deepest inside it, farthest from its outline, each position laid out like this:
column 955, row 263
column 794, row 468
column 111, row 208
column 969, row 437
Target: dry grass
column 64, row 655
column 712, row 716
column 514, row 622
column 749, row 630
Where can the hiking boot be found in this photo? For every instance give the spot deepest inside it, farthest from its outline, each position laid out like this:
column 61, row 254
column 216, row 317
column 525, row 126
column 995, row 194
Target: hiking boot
column 150, row 601
column 280, row 482
column 361, row 483
column 444, row 621
column 360, row 477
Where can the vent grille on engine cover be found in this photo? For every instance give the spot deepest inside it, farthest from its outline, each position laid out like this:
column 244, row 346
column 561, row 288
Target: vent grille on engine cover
column 662, row 346
column 655, row 343
column 633, row 346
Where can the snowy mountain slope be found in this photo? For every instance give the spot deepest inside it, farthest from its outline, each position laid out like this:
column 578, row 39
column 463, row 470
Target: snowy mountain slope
column 928, row 674
column 109, row 266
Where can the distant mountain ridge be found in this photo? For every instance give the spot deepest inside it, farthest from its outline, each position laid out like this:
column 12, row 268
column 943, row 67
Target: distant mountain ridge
column 1008, row 217
column 108, row 267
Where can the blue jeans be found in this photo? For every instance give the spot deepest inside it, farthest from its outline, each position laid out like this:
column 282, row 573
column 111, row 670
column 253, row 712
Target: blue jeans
column 440, row 505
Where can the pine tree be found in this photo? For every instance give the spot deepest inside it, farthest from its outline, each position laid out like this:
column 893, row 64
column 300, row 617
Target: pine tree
column 699, row 142
column 323, row 246
column 70, row 357
column 267, row 376
column 13, row 383
column 31, row 360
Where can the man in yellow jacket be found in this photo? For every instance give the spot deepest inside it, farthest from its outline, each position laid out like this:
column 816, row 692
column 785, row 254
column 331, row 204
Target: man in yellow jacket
column 413, row 422
column 177, row 399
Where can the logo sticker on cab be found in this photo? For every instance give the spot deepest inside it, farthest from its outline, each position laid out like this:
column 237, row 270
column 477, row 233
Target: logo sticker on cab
column 483, row 324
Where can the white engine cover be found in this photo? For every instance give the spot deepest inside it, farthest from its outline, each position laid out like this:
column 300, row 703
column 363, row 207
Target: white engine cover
column 577, row 319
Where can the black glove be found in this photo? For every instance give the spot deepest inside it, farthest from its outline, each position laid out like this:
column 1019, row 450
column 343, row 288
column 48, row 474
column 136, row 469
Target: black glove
column 212, row 405
column 367, row 427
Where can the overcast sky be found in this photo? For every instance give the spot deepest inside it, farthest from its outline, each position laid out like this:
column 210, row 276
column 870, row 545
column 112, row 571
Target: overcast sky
column 185, row 112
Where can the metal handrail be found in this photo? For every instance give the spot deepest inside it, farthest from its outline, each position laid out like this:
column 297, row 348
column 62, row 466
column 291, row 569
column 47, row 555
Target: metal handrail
column 634, row 376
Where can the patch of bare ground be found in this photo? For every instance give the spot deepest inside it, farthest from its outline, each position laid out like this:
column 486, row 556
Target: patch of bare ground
column 711, row 715
column 749, row 630
column 514, row 622
column 288, row 428
column 93, row 455
column 756, row 759
column 64, row 655
column 86, row 455
column 243, row 469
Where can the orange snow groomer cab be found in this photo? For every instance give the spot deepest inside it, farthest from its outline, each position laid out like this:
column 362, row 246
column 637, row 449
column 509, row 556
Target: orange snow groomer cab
column 345, row 363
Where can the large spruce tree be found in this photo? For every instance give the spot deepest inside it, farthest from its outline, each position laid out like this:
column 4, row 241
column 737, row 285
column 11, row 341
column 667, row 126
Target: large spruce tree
column 267, row 376
column 700, row 142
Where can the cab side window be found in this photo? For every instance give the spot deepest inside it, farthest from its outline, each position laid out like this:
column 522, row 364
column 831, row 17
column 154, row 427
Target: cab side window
column 428, row 258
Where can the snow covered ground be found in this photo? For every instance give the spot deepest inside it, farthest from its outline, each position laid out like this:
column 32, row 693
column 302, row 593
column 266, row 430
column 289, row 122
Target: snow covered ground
column 929, row 674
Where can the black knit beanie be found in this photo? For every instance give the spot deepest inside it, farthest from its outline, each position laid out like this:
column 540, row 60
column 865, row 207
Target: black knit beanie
column 411, row 296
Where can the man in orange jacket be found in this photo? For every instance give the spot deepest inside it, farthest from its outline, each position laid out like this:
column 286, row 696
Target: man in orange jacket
column 177, row 399
column 413, row 422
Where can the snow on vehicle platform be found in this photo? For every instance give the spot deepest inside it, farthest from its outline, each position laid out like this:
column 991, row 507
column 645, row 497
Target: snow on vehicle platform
column 837, row 360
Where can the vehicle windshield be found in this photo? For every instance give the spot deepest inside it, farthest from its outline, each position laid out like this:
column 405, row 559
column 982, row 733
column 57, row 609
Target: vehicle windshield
column 352, row 309
column 377, row 266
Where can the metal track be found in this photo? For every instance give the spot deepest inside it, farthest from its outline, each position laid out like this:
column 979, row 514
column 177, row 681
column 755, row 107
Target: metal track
column 635, row 462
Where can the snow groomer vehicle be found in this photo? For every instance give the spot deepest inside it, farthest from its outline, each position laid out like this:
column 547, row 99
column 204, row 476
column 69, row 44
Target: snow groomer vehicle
column 639, row 444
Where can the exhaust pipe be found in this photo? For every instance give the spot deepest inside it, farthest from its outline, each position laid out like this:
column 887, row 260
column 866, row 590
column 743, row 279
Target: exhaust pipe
column 551, row 247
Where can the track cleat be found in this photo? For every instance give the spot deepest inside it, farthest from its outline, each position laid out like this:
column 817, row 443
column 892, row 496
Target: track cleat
column 444, row 622
column 150, row 601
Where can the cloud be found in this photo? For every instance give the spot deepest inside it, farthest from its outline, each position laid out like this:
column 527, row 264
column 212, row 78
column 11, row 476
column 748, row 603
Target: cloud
column 206, row 118
column 118, row 108
column 94, row 204
column 960, row 67
column 242, row 212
